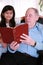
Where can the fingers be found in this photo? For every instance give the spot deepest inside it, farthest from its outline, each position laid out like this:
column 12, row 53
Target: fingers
column 17, row 46
column 13, row 43
column 24, row 36
column 22, row 40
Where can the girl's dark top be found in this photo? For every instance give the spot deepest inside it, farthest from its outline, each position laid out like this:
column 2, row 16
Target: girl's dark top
column 11, row 24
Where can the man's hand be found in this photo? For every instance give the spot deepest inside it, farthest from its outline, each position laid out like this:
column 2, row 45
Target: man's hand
column 14, row 45
column 27, row 39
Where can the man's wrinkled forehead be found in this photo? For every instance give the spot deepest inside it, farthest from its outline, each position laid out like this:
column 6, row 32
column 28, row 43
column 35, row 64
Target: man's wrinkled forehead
column 32, row 10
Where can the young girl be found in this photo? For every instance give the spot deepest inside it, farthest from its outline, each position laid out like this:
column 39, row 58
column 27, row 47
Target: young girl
column 7, row 20
column 7, row 17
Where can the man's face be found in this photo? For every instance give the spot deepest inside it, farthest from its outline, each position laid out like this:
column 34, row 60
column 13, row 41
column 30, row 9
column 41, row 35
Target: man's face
column 30, row 17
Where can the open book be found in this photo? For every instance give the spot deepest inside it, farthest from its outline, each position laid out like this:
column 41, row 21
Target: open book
column 13, row 34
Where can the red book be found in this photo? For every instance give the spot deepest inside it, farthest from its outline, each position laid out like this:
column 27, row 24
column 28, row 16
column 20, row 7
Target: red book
column 13, row 34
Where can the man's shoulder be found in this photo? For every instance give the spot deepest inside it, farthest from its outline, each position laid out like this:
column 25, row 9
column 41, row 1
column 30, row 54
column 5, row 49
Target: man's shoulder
column 40, row 25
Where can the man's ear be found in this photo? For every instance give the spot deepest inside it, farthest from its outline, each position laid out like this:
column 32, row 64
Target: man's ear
column 37, row 17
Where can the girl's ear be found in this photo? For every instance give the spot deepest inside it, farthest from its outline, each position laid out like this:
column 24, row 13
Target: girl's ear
column 2, row 14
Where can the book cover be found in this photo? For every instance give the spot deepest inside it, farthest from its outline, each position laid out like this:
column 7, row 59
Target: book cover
column 13, row 34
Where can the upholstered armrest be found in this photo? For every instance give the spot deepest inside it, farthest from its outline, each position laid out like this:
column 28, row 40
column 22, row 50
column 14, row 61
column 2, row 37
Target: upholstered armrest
column 41, row 56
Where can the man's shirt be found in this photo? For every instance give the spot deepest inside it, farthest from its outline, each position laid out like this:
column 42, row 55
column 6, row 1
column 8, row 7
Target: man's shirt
column 36, row 33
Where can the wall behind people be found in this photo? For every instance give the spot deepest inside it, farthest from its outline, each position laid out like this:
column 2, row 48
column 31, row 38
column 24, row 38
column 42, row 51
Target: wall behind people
column 20, row 6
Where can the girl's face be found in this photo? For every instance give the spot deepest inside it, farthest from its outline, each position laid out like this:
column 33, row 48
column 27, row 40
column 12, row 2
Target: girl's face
column 8, row 15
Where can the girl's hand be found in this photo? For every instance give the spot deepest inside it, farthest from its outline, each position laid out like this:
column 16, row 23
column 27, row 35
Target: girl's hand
column 27, row 39
column 3, row 44
column 14, row 45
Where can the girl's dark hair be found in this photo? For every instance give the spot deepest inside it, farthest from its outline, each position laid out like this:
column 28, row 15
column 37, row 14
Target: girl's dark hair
column 3, row 21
